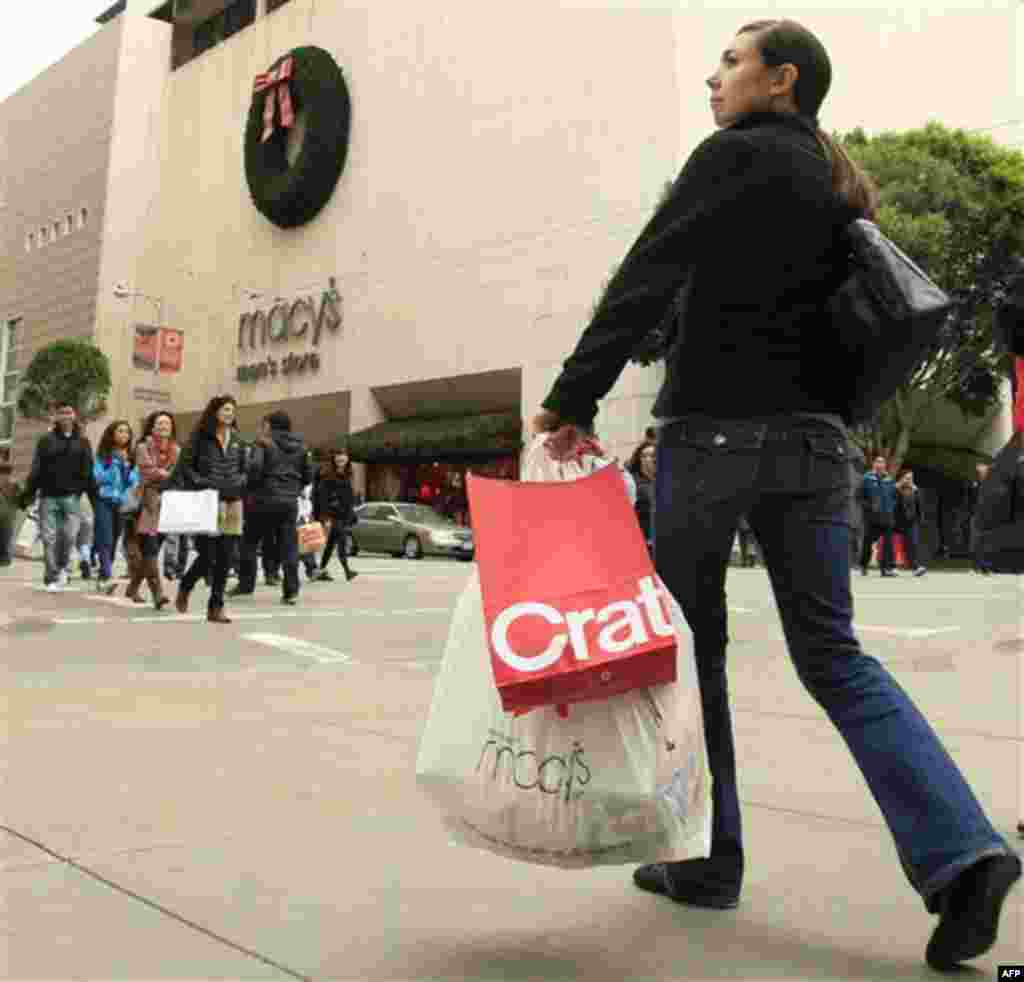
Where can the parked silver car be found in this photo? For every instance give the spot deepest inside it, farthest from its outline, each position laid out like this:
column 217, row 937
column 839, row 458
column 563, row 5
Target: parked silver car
column 408, row 530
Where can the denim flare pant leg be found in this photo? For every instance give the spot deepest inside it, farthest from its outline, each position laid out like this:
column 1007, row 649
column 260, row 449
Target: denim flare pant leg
column 791, row 477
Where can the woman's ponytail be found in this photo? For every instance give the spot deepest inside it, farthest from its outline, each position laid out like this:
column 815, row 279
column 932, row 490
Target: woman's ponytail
column 849, row 180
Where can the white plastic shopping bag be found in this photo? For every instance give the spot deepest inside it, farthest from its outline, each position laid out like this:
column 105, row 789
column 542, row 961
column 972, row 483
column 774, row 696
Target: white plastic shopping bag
column 624, row 780
column 28, row 543
column 189, row 512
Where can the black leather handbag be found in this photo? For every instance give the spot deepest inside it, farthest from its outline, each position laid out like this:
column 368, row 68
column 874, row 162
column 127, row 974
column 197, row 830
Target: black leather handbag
column 887, row 314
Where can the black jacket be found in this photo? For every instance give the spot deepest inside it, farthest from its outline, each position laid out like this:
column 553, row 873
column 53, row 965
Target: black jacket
column 205, row 464
column 334, row 499
column 644, row 502
column 909, row 511
column 752, row 225
column 62, row 465
column 278, row 473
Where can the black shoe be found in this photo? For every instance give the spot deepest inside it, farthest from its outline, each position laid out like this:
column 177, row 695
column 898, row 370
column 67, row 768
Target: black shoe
column 325, row 577
column 86, row 570
column 969, row 911
column 350, row 575
column 289, row 601
column 272, row 580
column 690, row 882
column 889, row 572
column 237, row 591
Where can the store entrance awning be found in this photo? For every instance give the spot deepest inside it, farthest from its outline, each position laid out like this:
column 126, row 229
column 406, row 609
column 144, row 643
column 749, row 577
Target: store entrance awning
column 447, row 438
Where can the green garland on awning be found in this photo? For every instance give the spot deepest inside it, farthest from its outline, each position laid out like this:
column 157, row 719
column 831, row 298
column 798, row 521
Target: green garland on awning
column 483, row 435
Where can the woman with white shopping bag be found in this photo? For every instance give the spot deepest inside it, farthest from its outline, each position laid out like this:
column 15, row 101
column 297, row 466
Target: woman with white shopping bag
column 214, row 461
column 750, row 246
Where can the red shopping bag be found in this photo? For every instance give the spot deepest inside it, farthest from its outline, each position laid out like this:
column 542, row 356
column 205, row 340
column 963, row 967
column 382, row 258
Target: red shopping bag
column 572, row 606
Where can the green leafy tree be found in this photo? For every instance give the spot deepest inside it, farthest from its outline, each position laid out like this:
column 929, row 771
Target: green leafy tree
column 954, row 202
column 67, row 372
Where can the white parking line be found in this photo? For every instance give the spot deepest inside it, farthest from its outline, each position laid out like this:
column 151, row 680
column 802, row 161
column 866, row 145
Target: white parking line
column 296, row 646
column 249, row 615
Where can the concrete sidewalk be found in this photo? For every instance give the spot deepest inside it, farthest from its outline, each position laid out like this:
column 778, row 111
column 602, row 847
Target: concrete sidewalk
column 264, row 823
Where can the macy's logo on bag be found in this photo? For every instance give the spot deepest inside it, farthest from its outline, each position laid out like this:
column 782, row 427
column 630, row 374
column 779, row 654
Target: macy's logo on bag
column 624, row 629
column 555, row 774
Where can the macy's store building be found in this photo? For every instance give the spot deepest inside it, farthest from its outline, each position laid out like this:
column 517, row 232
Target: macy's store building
column 413, row 301
column 393, row 223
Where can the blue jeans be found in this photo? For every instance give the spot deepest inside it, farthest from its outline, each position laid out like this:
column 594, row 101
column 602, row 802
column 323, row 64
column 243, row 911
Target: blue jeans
column 58, row 528
column 793, row 480
column 107, row 531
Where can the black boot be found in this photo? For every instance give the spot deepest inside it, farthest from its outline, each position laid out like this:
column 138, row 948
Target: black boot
column 713, row 883
column 969, row 911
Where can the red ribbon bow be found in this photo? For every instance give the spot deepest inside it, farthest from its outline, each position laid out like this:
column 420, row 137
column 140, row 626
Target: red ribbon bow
column 277, row 83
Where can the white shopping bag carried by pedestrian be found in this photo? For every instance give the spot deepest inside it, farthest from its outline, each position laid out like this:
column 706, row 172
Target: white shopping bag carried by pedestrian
column 189, row 512
column 623, row 780
column 28, row 543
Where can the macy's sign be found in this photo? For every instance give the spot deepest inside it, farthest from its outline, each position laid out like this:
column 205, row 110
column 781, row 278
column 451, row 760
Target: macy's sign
column 627, row 624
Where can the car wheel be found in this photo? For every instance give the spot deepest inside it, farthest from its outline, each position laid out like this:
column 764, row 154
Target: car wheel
column 412, row 549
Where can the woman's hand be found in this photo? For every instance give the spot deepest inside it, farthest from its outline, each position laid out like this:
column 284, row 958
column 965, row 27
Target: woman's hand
column 564, row 438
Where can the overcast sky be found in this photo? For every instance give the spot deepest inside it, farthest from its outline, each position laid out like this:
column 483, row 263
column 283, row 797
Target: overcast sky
column 40, row 33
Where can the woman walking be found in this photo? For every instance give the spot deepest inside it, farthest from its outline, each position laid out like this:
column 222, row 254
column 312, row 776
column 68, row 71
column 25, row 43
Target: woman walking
column 116, row 477
column 334, row 506
column 754, row 223
column 909, row 516
column 643, row 467
column 214, row 459
column 155, row 457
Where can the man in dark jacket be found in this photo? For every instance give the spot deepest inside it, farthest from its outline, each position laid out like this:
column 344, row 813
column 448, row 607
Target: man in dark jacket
column 61, row 473
column 278, row 471
column 878, row 496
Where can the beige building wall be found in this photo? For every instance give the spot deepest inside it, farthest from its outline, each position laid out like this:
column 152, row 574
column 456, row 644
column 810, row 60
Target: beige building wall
column 500, row 164
column 133, row 183
column 57, row 132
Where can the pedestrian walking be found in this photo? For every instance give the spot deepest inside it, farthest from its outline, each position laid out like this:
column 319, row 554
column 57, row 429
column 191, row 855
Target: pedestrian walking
column 305, row 505
column 754, row 224
column 909, row 518
column 85, row 539
column 280, row 468
column 62, row 471
column 9, row 494
column 334, row 506
column 155, row 457
column 213, row 458
column 878, row 502
column 116, row 477
column 643, row 467
column 978, row 563
column 748, row 542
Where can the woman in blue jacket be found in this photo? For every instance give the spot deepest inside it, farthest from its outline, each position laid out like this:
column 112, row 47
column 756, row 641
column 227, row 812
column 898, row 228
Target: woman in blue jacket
column 115, row 476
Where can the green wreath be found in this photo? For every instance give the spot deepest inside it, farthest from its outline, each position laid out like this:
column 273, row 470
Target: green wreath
column 291, row 195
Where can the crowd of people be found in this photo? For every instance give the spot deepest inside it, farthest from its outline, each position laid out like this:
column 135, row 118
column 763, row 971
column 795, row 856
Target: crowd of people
column 267, row 488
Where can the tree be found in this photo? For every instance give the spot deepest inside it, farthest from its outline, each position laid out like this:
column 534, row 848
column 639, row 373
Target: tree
column 67, row 372
column 954, row 202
